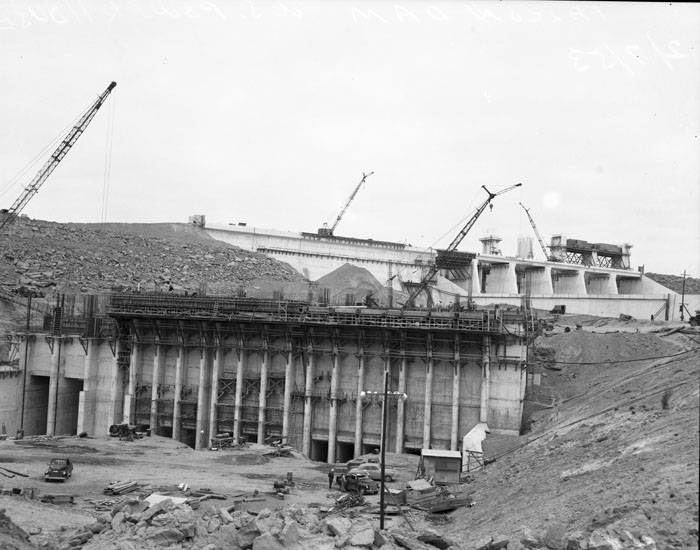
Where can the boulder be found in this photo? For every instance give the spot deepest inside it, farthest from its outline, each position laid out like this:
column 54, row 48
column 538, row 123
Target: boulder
column 266, row 541
column 247, row 534
column 555, row 536
column 117, row 520
column 338, row 526
column 576, row 541
column 600, row 540
column 362, row 534
column 290, row 534
column 166, row 537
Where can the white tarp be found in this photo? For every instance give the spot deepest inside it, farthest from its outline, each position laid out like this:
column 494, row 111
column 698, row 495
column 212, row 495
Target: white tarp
column 472, row 441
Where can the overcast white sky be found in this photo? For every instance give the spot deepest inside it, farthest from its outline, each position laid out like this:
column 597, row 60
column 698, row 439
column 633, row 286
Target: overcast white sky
column 268, row 112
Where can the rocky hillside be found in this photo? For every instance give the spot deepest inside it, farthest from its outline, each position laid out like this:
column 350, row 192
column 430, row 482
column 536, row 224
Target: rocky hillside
column 612, row 458
column 675, row 283
column 82, row 258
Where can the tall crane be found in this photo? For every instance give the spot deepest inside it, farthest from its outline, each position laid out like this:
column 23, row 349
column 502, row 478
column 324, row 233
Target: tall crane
column 57, row 156
column 420, row 287
column 547, row 255
column 328, row 231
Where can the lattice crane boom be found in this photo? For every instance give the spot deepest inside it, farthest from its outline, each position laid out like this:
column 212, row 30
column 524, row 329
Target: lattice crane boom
column 329, row 231
column 56, row 157
column 456, row 242
column 537, row 233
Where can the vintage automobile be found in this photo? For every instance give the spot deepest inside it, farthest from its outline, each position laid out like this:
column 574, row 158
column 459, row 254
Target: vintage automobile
column 374, row 471
column 60, row 469
column 358, row 483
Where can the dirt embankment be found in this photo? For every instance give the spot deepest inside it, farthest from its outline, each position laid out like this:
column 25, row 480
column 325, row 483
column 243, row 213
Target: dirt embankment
column 612, row 462
column 76, row 258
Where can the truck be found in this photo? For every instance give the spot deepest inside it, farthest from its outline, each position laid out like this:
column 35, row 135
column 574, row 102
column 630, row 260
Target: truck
column 60, row 469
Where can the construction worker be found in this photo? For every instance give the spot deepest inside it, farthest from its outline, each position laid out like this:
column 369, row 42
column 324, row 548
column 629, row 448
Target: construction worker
column 331, row 477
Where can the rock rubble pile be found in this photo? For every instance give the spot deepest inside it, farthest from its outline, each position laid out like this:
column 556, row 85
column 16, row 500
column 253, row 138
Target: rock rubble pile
column 98, row 257
column 133, row 525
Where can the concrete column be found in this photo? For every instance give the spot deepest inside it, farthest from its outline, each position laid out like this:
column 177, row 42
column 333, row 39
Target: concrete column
column 240, row 365
column 333, row 412
column 359, row 405
column 428, row 404
column 86, row 398
column 53, row 387
column 288, row 383
column 202, row 403
column 400, row 405
column 177, row 398
column 214, row 397
column 262, row 399
column 130, row 397
column 158, row 352
column 485, row 379
column 114, row 386
column 541, row 281
column 306, row 435
column 475, row 280
column 454, row 432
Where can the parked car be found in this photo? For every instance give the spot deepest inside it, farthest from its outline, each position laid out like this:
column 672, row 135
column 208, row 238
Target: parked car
column 358, row 482
column 374, row 471
column 355, row 462
column 59, row 469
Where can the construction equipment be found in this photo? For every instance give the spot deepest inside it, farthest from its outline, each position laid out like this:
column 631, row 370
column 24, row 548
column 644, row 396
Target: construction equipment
column 546, row 253
column 326, row 231
column 427, row 278
column 56, row 157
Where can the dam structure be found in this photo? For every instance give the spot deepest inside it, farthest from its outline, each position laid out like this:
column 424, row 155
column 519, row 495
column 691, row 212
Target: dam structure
column 193, row 367
column 578, row 277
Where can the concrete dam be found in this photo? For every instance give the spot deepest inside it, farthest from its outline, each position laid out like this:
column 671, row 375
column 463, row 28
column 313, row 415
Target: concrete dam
column 192, row 367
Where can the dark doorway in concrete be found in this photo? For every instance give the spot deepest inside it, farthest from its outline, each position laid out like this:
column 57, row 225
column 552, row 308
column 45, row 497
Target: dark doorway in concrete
column 413, row 450
column 36, row 405
column 67, row 405
column 370, row 449
column 164, row 431
column 319, row 450
column 188, row 436
column 344, row 451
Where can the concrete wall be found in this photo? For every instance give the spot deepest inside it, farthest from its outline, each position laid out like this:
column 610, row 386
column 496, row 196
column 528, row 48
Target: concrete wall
column 10, row 398
column 442, row 377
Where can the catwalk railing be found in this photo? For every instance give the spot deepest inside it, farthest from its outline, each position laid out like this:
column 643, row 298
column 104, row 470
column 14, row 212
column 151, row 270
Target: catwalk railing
column 222, row 309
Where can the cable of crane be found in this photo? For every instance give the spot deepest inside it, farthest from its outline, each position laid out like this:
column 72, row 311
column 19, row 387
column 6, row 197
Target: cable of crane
column 108, row 161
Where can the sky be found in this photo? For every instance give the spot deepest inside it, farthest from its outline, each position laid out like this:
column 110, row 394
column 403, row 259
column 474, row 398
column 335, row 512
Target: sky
column 269, row 112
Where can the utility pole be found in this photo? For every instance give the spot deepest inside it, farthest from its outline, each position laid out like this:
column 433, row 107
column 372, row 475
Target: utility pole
column 683, row 297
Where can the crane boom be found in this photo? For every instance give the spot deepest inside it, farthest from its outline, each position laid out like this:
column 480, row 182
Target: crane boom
column 455, row 243
column 537, row 233
column 56, row 157
column 352, row 197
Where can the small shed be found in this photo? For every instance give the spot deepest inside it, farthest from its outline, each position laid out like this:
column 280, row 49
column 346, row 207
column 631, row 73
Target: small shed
column 442, row 466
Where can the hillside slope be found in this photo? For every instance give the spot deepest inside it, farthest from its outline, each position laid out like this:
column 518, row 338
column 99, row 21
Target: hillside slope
column 96, row 257
column 612, row 464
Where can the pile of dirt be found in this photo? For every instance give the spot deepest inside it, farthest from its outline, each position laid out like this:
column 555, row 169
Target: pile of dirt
column 358, row 282
column 91, row 258
column 675, row 282
column 11, row 536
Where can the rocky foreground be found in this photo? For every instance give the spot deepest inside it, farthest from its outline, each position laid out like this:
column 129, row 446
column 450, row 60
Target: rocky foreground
column 133, row 525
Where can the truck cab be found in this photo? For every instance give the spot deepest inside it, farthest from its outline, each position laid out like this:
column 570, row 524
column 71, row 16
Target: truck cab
column 60, row 469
